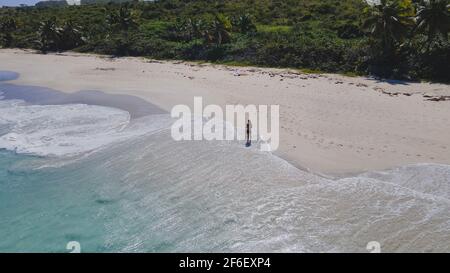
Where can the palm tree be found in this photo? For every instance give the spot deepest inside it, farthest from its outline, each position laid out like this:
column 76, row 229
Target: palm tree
column 220, row 30
column 7, row 27
column 198, row 28
column 433, row 19
column 193, row 28
column 122, row 20
column 70, row 36
column 49, row 39
column 244, row 23
column 388, row 22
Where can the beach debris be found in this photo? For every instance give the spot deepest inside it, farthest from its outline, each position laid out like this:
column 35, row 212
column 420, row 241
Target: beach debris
column 289, row 76
column 237, row 73
column 437, row 98
column 362, row 85
column 294, row 73
column 392, row 94
column 105, row 68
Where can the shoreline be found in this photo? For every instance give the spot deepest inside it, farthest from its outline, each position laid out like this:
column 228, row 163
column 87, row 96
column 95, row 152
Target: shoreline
column 135, row 106
column 329, row 124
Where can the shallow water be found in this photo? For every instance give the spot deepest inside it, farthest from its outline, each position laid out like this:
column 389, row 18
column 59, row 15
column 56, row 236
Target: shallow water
column 8, row 75
column 144, row 192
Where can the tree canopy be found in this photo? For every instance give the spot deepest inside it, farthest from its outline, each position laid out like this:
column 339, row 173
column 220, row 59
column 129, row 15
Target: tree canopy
column 394, row 38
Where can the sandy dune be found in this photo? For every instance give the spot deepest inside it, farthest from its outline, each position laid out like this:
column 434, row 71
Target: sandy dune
column 329, row 123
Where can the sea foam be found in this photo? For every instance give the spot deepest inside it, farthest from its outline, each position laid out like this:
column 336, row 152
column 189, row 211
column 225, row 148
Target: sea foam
column 67, row 130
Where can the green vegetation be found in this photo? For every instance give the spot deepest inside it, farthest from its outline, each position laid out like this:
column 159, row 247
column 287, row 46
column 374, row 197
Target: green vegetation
column 397, row 38
column 51, row 3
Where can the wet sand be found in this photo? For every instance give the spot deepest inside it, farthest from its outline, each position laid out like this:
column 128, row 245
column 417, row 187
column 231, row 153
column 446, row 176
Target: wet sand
column 137, row 107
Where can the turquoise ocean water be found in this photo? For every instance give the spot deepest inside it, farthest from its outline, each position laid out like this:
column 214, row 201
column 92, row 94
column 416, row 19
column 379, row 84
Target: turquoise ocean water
column 117, row 183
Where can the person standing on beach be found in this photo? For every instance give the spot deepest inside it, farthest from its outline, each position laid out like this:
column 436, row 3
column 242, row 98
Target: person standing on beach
column 248, row 132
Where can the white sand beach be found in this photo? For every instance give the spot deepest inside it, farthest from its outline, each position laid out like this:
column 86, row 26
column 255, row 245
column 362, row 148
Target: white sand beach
column 330, row 124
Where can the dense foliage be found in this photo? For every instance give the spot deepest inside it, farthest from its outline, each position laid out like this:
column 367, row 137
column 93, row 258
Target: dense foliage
column 397, row 38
